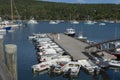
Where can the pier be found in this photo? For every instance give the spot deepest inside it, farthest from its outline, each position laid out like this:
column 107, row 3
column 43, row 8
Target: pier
column 74, row 47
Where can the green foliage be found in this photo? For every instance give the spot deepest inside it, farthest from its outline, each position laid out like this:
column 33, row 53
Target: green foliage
column 48, row 10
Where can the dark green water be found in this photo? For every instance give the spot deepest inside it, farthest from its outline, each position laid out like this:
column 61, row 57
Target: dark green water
column 26, row 52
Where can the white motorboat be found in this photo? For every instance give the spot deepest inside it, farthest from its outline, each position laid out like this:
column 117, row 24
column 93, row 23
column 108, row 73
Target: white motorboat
column 70, row 32
column 102, row 24
column 58, row 68
column 89, row 66
column 60, row 57
column 48, row 57
column 90, row 22
column 44, row 65
column 53, row 22
column 32, row 21
column 71, row 68
column 59, row 50
column 74, row 22
column 111, row 21
column 81, row 37
column 40, row 67
column 114, row 63
column 47, row 51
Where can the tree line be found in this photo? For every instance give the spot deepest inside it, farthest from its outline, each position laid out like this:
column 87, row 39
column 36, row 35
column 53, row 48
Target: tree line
column 63, row 11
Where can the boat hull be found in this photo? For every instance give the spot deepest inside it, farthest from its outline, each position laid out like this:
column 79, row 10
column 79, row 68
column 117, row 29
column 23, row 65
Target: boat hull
column 72, row 35
column 117, row 55
column 114, row 63
column 7, row 28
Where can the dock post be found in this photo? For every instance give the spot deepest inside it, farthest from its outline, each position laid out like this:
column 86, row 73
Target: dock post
column 11, row 59
column 1, row 49
column 58, row 36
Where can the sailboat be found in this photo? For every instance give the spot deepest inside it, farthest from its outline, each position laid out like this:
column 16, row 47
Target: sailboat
column 8, row 25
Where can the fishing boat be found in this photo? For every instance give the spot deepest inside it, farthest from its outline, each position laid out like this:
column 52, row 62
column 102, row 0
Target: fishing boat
column 70, row 32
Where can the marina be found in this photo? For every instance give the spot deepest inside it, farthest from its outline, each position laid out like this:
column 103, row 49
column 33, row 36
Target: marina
column 76, row 50
column 59, row 40
column 51, row 47
column 32, row 59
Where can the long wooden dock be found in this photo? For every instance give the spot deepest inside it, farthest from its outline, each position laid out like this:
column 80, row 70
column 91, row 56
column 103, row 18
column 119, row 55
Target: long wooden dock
column 72, row 46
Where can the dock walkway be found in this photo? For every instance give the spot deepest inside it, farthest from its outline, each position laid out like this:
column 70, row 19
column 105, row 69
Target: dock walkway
column 74, row 47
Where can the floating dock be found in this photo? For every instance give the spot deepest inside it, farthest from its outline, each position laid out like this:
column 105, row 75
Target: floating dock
column 74, row 47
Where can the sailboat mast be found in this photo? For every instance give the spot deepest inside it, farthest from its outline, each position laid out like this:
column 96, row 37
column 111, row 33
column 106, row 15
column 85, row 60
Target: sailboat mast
column 11, row 1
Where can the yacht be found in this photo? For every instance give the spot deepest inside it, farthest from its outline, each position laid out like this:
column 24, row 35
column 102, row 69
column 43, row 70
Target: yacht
column 70, row 32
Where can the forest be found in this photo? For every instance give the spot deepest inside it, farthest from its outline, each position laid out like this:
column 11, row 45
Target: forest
column 40, row 10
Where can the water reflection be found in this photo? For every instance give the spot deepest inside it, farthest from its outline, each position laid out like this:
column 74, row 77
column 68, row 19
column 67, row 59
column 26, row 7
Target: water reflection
column 102, row 76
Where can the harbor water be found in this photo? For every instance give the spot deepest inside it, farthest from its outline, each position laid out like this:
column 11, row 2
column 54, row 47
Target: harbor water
column 27, row 56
